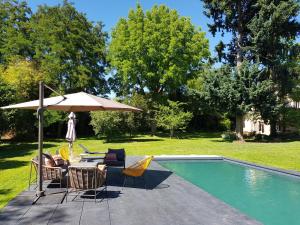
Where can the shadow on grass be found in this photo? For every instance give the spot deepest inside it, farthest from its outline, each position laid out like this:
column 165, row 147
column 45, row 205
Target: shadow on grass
column 192, row 135
column 5, row 191
column 222, row 141
column 273, row 140
column 13, row 149
column 130, row 140
column 10, row 164
column 259, row 141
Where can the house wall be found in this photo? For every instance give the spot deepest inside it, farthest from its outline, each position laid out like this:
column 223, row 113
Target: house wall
column 256, row 126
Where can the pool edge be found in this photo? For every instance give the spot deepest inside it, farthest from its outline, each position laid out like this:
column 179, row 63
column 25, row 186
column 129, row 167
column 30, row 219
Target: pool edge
column 236, row 161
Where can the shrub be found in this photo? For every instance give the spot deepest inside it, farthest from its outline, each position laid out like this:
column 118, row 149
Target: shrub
column 172, row 117
column 106, row 123
column 228, row 136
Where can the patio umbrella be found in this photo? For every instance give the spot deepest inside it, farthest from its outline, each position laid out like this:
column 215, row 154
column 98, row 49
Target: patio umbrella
column 78, row 102
column 71, row 132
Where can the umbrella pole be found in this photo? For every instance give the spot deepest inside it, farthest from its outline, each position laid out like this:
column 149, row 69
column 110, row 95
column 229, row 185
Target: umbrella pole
column 40, row 192
column 71, row 150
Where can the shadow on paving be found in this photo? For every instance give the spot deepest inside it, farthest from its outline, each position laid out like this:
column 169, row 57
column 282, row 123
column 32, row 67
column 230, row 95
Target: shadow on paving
column 153, row 178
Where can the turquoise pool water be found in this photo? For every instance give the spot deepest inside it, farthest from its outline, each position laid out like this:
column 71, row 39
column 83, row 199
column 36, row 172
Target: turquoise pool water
column 270, row 198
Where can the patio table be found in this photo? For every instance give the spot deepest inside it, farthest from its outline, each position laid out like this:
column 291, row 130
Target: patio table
column 85, row 164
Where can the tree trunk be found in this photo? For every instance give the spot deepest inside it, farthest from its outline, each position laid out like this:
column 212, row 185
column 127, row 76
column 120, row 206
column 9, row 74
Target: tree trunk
column 153, row 128
column 239, row 60
column 171, row 132
column 239, row 124
column 239, row 44
column 273, row 131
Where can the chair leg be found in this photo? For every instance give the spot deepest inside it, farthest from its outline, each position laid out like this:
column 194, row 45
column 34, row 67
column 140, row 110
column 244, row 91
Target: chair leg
column 145, row 181
column 125, row 178
column 67, row 189
column 29, row 182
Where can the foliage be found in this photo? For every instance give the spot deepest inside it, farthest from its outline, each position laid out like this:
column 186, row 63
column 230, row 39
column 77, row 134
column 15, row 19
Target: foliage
column 155, row 52
column 273, row 32
column 225, row 123
column 264, row 32
column 23, row 76
column 231, row 16
column 139, row 121
column 292, row 118
column 51, row 117
column 6, row 97
column 14, row 30
column 69, row 48
column 237, row 92
column 106, row 123
column 228, row 136
column 172, row 117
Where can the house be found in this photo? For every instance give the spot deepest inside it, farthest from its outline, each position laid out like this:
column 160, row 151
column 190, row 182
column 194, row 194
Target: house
column 258, row 126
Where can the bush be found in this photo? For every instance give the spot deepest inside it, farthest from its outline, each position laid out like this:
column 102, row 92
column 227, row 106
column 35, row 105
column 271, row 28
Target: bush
column 106, row 123
column 225, row 124
column 172, row 117
column 228, row 136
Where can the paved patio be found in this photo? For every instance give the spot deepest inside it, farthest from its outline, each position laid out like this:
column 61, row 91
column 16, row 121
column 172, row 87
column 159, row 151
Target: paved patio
column 168, row 199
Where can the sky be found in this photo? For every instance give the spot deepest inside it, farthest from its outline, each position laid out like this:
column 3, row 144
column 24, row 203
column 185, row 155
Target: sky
column 110, row 11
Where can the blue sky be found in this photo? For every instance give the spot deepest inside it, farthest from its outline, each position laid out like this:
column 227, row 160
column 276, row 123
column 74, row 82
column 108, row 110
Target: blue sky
column 110, row 11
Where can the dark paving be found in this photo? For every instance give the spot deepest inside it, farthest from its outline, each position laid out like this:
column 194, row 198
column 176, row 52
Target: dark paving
column 167, row 199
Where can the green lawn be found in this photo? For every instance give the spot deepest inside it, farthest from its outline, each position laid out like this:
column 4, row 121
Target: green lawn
column 14, row 158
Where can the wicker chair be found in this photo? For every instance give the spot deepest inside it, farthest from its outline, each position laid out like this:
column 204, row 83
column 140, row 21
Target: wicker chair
column 49, row 173
column 83, row 178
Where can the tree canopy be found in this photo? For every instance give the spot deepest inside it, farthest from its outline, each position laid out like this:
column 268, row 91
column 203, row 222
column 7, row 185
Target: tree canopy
column 155, row 51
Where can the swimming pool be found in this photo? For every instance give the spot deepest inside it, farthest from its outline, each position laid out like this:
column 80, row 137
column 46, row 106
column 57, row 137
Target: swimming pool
column 271, row 198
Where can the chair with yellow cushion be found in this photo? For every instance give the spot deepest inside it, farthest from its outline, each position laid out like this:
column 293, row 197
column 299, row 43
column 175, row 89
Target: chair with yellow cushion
column 137, row 169
column 64, row 153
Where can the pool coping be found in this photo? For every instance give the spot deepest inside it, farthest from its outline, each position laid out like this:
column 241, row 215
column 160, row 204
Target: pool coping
column 231, row 160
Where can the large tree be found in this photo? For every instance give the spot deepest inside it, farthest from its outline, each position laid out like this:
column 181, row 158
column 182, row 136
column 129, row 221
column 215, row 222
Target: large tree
column 69, row 48
column 155, row 52
column 238, row 91
column 232, row 16
column 274, row 29
column 262, row 32
column 14, row 30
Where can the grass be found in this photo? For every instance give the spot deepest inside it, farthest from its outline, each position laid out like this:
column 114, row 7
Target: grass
column 15, row 157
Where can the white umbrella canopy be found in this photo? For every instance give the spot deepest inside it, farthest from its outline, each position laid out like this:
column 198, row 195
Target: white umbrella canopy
column 77, row 102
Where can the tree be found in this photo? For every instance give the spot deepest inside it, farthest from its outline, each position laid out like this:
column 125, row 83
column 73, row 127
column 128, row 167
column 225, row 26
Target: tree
column 172, row 117
column 273, row 32
column 69, row 49
column 6, row 97
column 137, row 121
column 238, row 91
column 106, row 123
column 14, row 30
column 155, row 52
column 23, row 76
column 232, row 16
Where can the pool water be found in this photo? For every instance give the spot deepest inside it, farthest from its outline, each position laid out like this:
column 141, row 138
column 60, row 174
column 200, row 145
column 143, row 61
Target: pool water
column 268, row 197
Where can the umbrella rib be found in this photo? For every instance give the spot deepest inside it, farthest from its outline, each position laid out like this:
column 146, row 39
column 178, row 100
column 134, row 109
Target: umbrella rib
column 64, row 98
